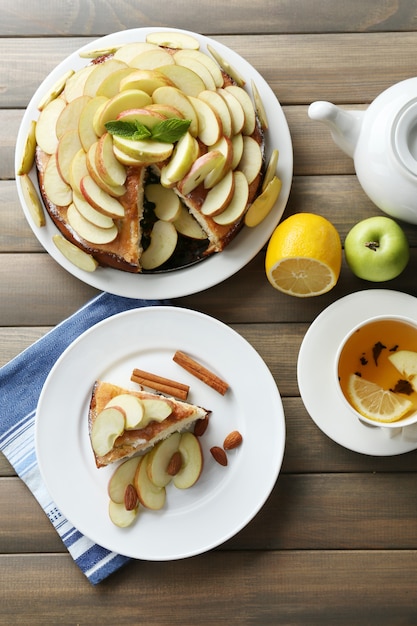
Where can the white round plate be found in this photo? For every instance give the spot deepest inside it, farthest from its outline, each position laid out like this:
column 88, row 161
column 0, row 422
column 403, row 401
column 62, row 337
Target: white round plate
column 212, row 270
column 316, row 375
column 224, row 499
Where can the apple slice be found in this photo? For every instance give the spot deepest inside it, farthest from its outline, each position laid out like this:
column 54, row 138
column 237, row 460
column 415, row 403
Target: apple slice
column 247, row 106
column 188, row 81
column 152, row 59
column 98, row 52
column 56, row 189
column 70, row 115
column 108, row 167
column 145, row 116
column 32, row 200
column 175, row 98
column 45, row 126
column 219, row 196
column 237, row 115
column 99, row 72
column 186, row 225
column 85, row 122
column 89, row 213
column 126, row 159
column 263, row 204
column 27, row 157
column 132, row 407
column 218, row 104
column 198, row 68
column 192, row 466
column 123, row 476
column 78, row 169
column 110, row 86
column 237, row 145
column 204, row 59
column 75, row 255
column 225, row 65
column 259, row 107
column 74, row 87
column 68, row 146
column 156, row 409
column 251, row 161
column 108, row 425
column 120, row 516
column 144, row 80
column 225, row 146
column 176, row 40
column 151, row 496
column 116, row 191
column 167, row 203
column 101, row 200
column 165, row 109
column 55, row 90
column 405, row 361
column 129, row 51
column 89, row 231
column 199, row 170
column 237, row 205
column 129, row 99
column 210, row 127
column 185, row 153
column 159, row 458
column 145, row 151
column 164, row 239
column 271, row 168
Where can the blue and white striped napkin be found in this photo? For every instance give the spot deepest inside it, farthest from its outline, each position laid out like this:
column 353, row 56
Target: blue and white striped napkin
column 21, row 382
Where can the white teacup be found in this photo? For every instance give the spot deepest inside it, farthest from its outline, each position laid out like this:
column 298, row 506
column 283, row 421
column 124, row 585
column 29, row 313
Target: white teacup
column 364, row 350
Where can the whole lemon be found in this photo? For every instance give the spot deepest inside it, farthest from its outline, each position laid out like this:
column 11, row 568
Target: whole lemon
column 304, row 255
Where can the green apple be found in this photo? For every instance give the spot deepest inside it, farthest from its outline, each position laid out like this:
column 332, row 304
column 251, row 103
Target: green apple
column 377, row 249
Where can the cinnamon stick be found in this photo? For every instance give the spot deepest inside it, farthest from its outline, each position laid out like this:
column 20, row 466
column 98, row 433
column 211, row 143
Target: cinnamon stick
column 159, row 383
column 199, row 371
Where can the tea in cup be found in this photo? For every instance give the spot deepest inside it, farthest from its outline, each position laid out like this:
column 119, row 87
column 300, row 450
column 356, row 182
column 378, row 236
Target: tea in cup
column 376, row 369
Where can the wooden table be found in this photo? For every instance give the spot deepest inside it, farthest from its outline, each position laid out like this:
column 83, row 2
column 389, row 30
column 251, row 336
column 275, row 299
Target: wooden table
column 337, row 540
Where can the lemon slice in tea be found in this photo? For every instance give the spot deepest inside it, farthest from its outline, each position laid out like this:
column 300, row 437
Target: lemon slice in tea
column 374, row 402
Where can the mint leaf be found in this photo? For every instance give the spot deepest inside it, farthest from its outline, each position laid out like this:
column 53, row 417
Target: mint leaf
column 169, row 131
column 129, row 130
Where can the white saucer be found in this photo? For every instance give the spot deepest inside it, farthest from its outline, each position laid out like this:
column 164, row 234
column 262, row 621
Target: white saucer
column 315, row 372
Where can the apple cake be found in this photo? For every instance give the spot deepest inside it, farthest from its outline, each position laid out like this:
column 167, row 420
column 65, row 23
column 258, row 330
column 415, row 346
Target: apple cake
column 149, row 157
column 123, row 422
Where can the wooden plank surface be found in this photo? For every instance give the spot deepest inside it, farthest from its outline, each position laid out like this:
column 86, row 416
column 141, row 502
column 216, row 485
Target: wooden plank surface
column 336, row 542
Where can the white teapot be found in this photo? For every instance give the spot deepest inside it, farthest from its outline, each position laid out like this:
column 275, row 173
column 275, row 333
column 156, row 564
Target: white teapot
column 383, row 144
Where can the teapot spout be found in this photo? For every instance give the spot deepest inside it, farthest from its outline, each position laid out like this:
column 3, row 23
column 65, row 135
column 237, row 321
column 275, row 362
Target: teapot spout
column 344, row 125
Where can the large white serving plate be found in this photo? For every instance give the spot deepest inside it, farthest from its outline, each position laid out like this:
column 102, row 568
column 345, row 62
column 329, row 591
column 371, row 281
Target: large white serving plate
column 224, row 499
column 219, row 266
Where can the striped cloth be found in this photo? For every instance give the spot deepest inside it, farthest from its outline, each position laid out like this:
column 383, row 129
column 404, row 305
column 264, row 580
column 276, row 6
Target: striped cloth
column 21, row 382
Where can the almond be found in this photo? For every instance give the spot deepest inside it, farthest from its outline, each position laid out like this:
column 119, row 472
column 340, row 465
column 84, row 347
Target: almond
column 219, row 455
column 233, row 440
column 201, row 426
column 175, row 464
column 131, row 498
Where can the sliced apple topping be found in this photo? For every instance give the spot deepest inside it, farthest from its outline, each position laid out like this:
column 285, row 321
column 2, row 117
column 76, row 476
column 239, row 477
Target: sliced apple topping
column 184, row 79
column 210, row 128
column 204, row 59
column 108, row 425
column 218, row 104
column 55, row 90
column 271, row 168
column 109, row 168
column 251, row 161
column 152, row 59
column 199, row 170
column 68, row 146
column 186, row 225
column 45, row 133
column 111, row 85
column 173, row 40
column 164, row 239
column 99, row 72
column 159, row 459
column 70, row 115
column 237, row 205
column 28, row 153
column 120, row 515
column 144, row 150
column 57, row 190
column 145, row 80
column 244, row 98
column 129, row 51
column 174, row 97
column 33, row 202
column 149, row 494
column 101, row 200
column 90, row 213
column 123, row 476
column 156, row 409
column 75, row 255
column 89, row 231
column 167, row 203
column 219, row 196
column 88, row 135
column 196, row 67
column 184, row 154
column 226, row 66
column 262, row 205
column 132, row 407
column 192, row 464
